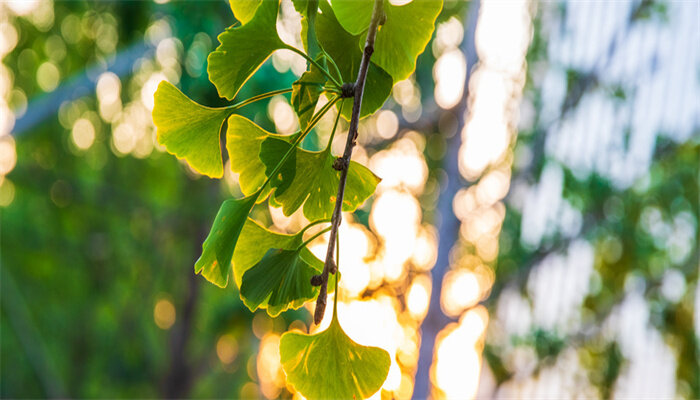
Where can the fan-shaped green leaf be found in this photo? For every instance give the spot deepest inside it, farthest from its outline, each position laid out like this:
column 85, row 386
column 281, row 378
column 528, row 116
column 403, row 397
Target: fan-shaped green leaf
column 316, row 184
column 254, row 242
column 353, row 15
column 280, row 280
column 215, row 262
column 244, row 10
column 189, row 130
column 343, row 48
column 243, row 49
column 403, row 36
column 290, row 286
column 309, row 179
column 330, row 365
column 243, row 139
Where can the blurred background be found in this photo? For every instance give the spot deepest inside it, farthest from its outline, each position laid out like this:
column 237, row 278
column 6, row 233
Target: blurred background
column 535, row 234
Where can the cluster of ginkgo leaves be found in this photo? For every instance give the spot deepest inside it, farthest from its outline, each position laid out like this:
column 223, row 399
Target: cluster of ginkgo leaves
column 273, row 271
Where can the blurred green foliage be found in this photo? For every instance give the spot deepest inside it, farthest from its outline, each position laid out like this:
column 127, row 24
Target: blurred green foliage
column 92, row 241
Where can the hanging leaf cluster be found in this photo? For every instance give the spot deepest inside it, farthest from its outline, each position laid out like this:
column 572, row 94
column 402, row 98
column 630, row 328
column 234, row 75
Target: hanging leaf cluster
column 274, row 271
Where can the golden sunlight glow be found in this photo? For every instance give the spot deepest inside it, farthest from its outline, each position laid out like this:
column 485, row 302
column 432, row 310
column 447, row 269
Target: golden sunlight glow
column 419, row 297
column 400, row 166
column 269, row 368
column 448, row 36
column 164, row 314
column 407, row 94
column 425, row 249
column 227, row 348
column 458, row 365
column 356, row 245
column 387, row 124
column 495, row 87
column 460, row 291
column 284, row 223
column 449, row 74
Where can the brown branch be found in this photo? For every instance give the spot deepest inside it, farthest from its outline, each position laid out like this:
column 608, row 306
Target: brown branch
column 344, row 162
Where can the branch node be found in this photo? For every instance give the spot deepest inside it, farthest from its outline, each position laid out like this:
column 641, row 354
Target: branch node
column 339, row 163
column 347, row 90
column 316, row 280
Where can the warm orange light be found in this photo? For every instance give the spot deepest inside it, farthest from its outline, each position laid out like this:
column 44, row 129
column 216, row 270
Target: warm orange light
column 418, row 297
column 268, row 366
column 164, row 314
column 227, row 348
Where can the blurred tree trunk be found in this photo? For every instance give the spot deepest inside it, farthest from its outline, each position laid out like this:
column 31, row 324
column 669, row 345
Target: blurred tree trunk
column 448, row 227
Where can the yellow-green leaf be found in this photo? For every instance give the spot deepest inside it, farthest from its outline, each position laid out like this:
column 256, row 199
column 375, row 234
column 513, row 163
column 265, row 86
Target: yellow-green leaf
column 244, row 10
column 404, row 35
column 280, row 280
column 254, row 242
column 330, row 365
column 215, row 262
column 353, row 15
column 243, row 49
column 308, row 179
column 189, row 130
column 243, row 139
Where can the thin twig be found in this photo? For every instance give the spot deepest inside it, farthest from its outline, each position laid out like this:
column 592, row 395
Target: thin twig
column 358, row 89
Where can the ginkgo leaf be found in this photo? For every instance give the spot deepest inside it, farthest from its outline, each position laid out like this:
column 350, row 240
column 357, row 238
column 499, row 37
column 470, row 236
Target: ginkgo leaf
column 243, row 49
column 244, row 10
column 354, row 15
column 215, row 262
column 254, row 242
column 243, row 139
column 280, row 280
column 244, row 142
column 309, row 179
column 305, row 93
column 403, row 36
column 330, row 365
column 290, row 286
column 342, row 47
column 189, row 130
